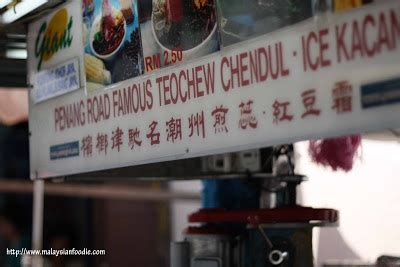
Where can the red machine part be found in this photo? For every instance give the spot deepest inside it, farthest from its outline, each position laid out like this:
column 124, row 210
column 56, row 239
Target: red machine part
column 297, row 214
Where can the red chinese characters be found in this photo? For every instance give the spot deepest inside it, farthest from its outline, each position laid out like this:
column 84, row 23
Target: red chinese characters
column 196, row 124
column 281, row 112
column 342, row 97
column 219, row 114
column 87, row 146
column 117, row 139
column 102, row 143
column 247, row 118
column 309, row 99
column 153, row 135
column 174, row 129
column 134, row 138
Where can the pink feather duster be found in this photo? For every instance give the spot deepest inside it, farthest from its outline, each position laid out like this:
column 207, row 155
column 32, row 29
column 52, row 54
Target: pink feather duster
column 338, row 153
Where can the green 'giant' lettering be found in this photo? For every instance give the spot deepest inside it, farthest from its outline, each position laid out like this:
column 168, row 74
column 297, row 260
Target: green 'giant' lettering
column 48, row 43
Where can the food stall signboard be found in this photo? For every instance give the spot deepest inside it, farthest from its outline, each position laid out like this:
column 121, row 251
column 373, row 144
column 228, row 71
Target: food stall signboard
column 332, row 75
column 55, row 63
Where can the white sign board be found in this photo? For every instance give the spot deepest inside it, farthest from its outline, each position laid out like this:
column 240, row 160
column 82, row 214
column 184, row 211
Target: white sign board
column 55, row 53
column 336, row 75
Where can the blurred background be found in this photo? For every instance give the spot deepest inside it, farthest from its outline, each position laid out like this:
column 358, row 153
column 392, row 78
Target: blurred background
column 135, row 221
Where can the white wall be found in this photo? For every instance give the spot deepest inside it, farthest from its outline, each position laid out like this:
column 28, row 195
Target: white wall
column 368, row 199
column 181, row 209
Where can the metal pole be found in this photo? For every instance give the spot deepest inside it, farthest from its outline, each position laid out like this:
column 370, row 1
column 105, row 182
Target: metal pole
column 37, row 228
column 180, row 254
column 99, row 191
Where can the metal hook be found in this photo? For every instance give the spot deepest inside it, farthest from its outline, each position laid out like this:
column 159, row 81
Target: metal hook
column 267, row 240
column 14, row 4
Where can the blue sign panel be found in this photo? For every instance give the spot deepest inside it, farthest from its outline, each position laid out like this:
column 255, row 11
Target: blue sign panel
column 380, row 93
column 67, row 150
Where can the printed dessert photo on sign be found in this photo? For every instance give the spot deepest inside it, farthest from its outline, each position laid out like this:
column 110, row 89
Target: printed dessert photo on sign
column 321, row 6
column 113, row 50
column 177, row 30
column 241, row 20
